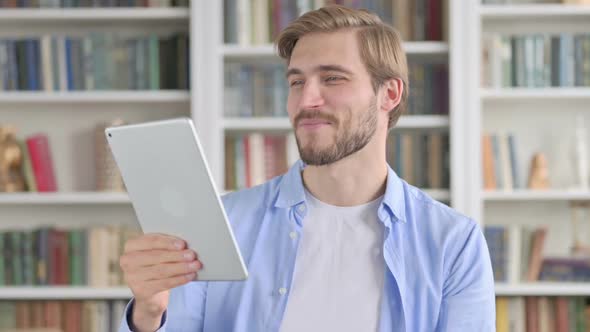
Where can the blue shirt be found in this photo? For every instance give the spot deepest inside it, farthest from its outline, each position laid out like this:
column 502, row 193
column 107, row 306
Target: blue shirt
column 438, row 274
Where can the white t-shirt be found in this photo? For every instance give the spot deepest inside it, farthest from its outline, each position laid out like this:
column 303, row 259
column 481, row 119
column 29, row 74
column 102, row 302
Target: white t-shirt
column 339, row 270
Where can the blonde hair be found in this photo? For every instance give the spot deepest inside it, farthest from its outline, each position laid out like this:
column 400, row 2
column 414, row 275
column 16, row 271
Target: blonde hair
column 380, row 45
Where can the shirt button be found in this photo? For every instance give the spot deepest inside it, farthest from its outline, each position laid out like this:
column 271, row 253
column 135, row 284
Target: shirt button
column 282, row 291
column 301, row 208
column 293, row 235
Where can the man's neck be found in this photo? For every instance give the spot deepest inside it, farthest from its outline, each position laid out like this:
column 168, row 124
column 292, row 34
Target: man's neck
column 351, row 181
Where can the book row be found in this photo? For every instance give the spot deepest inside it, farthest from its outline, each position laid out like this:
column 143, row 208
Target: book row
column 64, row 316
column 261, row 90
column 90, row 3
column 98, row 61
column 518, row 255
column 542, row 313
column 56, row 256
column 536, row 60
column 420, row 158
column 260, row 21
column 255, row 158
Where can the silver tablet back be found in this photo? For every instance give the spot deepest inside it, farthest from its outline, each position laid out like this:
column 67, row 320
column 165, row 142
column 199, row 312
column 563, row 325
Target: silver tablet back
column 172, row 191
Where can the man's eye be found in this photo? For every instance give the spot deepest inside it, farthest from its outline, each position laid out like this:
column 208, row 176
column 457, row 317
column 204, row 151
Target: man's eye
column 295, row 82
column 332, row 78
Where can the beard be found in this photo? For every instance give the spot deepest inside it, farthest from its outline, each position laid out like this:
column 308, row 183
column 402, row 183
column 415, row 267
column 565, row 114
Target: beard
column 348, row 140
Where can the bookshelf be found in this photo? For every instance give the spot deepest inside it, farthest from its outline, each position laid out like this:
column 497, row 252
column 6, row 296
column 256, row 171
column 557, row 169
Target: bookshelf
column 473, row 110
column 542, row 119
column 71, row 116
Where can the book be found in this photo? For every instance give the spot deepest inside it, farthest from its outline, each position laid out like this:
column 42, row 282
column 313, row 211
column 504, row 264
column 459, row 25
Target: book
column 536, row 258
column 42, row 162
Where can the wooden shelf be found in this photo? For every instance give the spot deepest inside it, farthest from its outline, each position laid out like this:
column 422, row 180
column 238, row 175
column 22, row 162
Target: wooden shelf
column 47, row 16
column 266, row 51
column 93, row 97
column 538, row 94
column 536, row 195
column 283, row 124
column 70, row 198
column 543, row 289
column 64, row 293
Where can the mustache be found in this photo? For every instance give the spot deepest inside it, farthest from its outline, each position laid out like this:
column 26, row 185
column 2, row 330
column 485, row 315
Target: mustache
column 314, row 114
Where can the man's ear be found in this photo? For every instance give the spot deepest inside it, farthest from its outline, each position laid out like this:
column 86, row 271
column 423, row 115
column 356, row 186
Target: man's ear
column 392, row 94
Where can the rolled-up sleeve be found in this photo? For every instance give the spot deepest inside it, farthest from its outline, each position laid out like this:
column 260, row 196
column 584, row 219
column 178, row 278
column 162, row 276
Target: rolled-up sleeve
column 468, row 296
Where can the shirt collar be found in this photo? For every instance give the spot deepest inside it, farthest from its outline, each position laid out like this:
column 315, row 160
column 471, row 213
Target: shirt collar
column 291, row 193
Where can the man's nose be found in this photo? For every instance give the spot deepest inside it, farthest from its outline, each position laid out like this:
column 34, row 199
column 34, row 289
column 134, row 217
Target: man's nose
column 311, row 95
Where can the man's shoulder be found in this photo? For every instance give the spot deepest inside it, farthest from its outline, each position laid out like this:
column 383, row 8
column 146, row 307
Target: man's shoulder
column 442, row 228
column 438, row 216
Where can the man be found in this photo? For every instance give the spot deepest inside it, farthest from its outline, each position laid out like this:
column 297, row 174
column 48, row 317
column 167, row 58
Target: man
column 340, row 242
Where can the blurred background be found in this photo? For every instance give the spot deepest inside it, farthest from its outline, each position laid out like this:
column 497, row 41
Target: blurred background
column 497, row 127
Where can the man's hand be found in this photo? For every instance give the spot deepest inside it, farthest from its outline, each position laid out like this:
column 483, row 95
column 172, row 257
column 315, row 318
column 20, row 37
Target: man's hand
column 152, row 265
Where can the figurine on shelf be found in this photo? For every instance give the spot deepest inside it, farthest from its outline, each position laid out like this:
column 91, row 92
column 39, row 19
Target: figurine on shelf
column 539, row 172
column 11, row 160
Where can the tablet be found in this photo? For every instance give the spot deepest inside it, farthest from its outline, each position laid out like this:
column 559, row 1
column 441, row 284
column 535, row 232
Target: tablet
column 172, row 192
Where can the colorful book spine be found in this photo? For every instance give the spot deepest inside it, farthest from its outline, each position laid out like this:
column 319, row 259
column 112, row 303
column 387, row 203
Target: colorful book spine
column 42, row 162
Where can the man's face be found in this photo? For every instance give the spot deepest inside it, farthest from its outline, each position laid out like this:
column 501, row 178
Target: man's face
column 331, row 103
